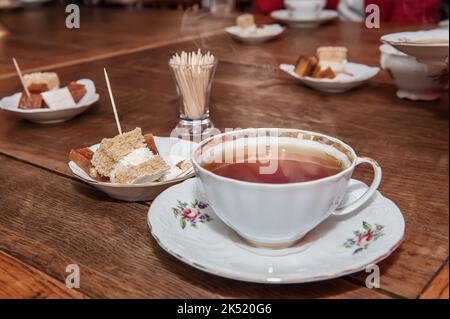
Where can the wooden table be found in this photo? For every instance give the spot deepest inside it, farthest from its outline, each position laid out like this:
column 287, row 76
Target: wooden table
column 40, row 38
column 49, row 219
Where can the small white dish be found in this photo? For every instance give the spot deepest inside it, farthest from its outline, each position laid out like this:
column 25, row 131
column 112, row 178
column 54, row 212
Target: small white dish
column 429, row 80
column 169, row 149
column 294, row 21
column 256, row 35
column 47, row 115
column 360, row 74
column 184, row 225
column 429, row 47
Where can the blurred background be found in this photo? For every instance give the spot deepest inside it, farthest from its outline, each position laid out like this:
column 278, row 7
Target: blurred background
column 401, row 11
column 163, row 4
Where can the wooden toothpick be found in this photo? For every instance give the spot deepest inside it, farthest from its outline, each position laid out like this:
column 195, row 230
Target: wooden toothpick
column 116, row 116
column 21, row 77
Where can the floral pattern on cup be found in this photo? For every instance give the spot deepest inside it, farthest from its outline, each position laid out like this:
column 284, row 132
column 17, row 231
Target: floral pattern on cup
column 363, row 238
column 191, row 213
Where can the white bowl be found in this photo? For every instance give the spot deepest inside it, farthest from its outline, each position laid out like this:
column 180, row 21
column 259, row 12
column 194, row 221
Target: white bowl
column 294, row 21
column 47, row 115
column 167, row 147
column 430, row 46
column 342, row 83
column 260, row 35
column 414, row 80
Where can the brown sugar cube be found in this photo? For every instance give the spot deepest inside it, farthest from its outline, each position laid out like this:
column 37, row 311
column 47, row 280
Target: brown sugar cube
column 77, row 91
column 327, row 74
column 37, row 87
column 82, row 157
column 86, row 152
column 305, row 65
column 150, row 141
column 316, row 72
column 34, row 101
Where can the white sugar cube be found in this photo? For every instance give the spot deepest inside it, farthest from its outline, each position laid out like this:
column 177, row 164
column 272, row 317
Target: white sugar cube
column 58, row 99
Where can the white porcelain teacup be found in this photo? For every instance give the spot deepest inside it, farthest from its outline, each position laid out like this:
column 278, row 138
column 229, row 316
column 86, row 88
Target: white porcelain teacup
column 414, row 80
column 305, row 8
column 276, row 215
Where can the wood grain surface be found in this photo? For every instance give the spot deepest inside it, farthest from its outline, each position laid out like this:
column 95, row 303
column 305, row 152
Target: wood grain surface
column 20, row 280
column 59, row 215
column 40, row 38
column 438, row 288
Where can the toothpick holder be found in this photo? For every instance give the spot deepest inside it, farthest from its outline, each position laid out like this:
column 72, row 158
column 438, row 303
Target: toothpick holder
column 193, row 85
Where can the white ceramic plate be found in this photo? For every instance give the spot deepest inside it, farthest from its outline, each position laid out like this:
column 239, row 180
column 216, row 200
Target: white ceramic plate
column 293, row 21
column 430, row 46
column 361, row 74
column 333, row 249
column 47, row 115
column 264, row 34
column 167, row 147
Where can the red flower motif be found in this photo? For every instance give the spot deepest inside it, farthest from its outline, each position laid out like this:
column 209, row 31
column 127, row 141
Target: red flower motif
column 364, row 238
column 191, row 213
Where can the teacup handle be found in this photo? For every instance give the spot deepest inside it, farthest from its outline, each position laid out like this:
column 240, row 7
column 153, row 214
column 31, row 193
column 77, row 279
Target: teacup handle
column 349, row 208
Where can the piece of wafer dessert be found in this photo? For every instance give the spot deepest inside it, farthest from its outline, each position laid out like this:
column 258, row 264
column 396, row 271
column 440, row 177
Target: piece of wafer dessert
column 128, row 158
column 310, row 66
column 44, row 92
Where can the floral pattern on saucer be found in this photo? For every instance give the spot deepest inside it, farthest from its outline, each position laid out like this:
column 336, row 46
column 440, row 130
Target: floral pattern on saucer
column 362, row 239
column 191, row 213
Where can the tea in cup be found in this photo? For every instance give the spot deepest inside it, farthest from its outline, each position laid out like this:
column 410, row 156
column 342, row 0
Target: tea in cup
column 272, row 186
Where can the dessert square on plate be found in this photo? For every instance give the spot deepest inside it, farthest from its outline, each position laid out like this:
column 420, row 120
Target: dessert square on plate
column 133, row 167
column 47, row 115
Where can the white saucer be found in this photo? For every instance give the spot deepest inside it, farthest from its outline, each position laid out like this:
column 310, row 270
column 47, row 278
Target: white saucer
column 429, row 47
column 331, row 250
column 49, row 116
column 293, row 21
column 261, row 35
column 168, row 148
column 361, row 74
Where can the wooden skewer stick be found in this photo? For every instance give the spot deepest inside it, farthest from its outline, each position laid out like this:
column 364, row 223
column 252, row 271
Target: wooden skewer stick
column 119, row 128
column 21, row 77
